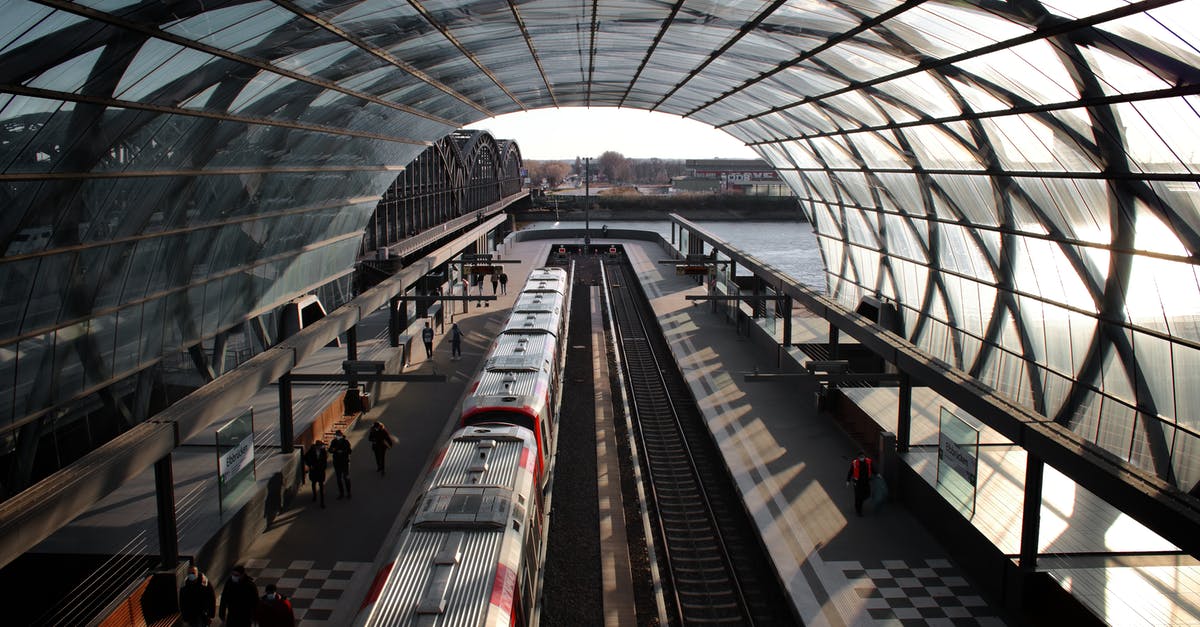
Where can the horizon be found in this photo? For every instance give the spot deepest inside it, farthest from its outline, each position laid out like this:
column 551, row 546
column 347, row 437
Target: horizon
column 568, row 132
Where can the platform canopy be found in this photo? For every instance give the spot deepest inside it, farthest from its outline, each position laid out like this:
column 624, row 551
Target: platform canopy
column 1019, row 178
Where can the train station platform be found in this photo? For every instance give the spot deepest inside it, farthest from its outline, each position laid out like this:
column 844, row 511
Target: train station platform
column 790, row 463
column 788, row 457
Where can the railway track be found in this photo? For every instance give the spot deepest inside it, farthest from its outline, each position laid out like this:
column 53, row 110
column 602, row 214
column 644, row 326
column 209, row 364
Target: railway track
column 717, row 569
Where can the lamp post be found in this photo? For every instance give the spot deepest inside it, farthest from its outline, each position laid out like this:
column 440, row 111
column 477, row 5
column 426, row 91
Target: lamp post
column 587, row 202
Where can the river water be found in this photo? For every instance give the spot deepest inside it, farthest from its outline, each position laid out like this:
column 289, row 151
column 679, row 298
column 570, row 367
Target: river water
column 789, row 246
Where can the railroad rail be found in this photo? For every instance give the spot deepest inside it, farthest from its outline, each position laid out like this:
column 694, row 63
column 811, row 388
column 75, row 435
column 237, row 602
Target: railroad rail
column 718, row 571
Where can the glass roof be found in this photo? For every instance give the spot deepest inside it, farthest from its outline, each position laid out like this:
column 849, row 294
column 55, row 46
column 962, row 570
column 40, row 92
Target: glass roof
column 972, row 162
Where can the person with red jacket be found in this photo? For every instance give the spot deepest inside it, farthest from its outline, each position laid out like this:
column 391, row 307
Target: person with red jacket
column 274, row 609
column 860, row 472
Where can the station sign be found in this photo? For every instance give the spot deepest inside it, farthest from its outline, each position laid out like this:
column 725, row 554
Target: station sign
column 691, row 270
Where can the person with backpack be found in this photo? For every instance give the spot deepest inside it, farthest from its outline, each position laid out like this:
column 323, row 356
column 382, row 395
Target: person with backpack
column 860, row 472
column 381, row 440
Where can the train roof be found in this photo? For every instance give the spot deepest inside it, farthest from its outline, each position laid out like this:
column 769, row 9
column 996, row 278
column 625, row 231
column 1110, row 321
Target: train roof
column 526, row 353
column 508, row 383
column 532, row 322
column 546, row 280
column 468, row 525
column 546, row 272
column 548, row 302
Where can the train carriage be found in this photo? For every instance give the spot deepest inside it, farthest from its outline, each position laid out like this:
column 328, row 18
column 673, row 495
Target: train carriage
column 519, row 383
column 516, row 386
column 469, row 554
column 471, row 551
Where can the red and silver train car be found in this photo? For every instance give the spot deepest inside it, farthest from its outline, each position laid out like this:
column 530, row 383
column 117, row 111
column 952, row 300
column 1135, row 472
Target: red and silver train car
column 520, row 380
column 470, row 552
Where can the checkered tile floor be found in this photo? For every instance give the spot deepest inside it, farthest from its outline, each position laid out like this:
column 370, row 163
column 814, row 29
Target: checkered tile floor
column 314, row 588
column 933, row 593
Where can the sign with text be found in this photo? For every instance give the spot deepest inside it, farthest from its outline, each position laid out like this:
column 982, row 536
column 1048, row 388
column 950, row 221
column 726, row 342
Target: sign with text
column 235, row 457
column 958, row 460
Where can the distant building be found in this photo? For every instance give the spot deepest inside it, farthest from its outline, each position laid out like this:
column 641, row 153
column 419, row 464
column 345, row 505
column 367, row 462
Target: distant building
column 752, row 177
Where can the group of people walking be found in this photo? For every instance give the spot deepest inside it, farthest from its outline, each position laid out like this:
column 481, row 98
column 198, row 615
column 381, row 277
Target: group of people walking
column 241, row 605
column 318, row 457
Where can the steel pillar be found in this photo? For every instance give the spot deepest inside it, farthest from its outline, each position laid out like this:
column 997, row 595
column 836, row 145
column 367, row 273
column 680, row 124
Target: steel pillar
column 904, row 414
column 1031, row 518
column 164, row 496
column 286, row 429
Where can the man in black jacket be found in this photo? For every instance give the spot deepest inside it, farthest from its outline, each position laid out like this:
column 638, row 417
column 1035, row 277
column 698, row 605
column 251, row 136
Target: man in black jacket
column 316, row 458
column 197, row 600
column 238, row 599
column 339, row 449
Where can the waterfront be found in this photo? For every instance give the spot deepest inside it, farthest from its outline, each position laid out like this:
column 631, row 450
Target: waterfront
column 791, row 247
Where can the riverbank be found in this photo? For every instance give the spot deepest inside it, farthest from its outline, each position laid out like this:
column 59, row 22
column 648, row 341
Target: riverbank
column 734, row 214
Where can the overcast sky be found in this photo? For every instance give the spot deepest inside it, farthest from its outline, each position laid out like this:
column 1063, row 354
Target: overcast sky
column 572, row 132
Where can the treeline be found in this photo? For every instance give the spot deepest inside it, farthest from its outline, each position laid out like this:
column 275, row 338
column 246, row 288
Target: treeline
column 611, row 167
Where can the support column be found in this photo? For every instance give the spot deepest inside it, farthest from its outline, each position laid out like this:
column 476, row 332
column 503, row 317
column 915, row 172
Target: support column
column 286, row 430
column 200, row 360
column 784, row 309
column 352, row 343
column 1031, row 518
column 393, row 322
column 834, row 346
column 904, row 414
column 220, row 344
column 260, row 331
column 168, row 529
column 352, row 350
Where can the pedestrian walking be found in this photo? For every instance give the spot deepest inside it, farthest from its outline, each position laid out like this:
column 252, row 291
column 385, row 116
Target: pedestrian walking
column 860, row 472
column 381, row 440
column 197, row 599
column 455, row 342
column 316, row 458
column 274, row 609
column 503, row 281
column 477, row 280
column 239, row 598
column 495, row 280
column 427, row 338
column 339, row 450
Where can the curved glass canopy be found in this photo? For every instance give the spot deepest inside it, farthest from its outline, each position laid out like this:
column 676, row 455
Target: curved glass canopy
column 1019, row 178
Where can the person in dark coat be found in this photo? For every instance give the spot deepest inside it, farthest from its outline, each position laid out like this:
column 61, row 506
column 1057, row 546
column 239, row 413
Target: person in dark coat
column 274, row 609
column 860, row 472
column 197, row 599
column 503, row 282
column 427, row 339
column 381, row 440
column 339, row 449
column 238, row 599
column 495, row 280
column 455, row 341
column 316, row 458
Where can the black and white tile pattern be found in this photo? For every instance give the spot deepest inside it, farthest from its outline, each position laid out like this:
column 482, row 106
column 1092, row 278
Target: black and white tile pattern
column 930, row 593
column 315, row 588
